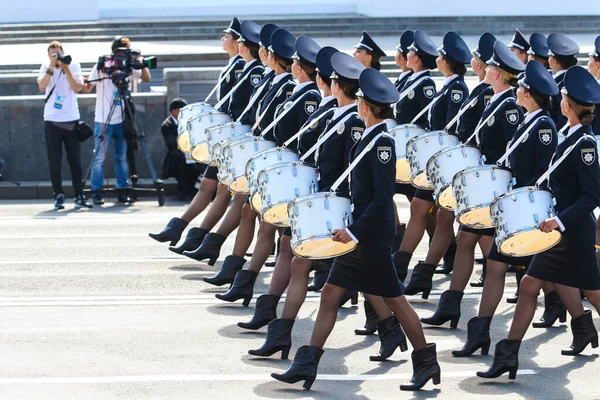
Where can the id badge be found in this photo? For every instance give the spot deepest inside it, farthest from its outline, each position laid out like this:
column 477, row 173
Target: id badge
column 58, row 102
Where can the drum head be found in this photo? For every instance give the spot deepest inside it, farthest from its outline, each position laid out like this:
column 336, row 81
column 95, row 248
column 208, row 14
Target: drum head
column 402, row 171
column 183, row 142
column 239, row 185
column 476, row 218
column 446, row 199
column 421, row 182
column 277, row 215
column 322, row 248
column 256, row 202
column 200, row 153
column 528, row 242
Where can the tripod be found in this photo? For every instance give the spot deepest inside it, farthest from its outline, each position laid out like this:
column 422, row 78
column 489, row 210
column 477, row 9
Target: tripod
column 136, row 136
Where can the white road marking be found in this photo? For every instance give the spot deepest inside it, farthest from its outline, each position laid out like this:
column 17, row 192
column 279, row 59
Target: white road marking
column 225, row 378
column 106, row 273
column 96, row 261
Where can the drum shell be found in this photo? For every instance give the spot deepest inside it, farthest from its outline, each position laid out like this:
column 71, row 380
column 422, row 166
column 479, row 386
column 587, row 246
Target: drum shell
column 219, row 133
column 198, row 138
column 402, row 134
column 236, row 154
column 219, row 152
column 420, row 149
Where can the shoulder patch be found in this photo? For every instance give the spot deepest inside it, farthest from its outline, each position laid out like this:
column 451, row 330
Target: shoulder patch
column 588, row 156
column 429, row 91
column 238, row 73
column 456, row 95
column 310, row 106
column 356, row 132
column 545, row 136
column 384, row 154
column 255, row 79
column 512, row 116
column 487, row 99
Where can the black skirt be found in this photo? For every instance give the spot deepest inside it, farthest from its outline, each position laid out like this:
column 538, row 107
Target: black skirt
column 495, row 255
column 406, row 189
column 482, row 232
column 368, row 269
column 572, row 262
column 423, row 194
column 211, row 172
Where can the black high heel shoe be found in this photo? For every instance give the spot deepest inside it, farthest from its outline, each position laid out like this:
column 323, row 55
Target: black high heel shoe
column 231, row 266
column 192, row 241
column 264, row 312
column 351, row 295
column 425, row 367
column 304, row 367
column 584, row 333
column 279, row 338
column 242, row 288
column 554, row 309
column 209, row 249
column 506, row 359
column 478, row 337
column 421, row 280
column 448, row 309
column 391, row 337
column 172, row 232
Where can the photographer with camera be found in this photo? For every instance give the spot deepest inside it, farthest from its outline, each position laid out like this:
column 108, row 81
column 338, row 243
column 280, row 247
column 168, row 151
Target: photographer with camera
column 60, row 79
column 121, row 67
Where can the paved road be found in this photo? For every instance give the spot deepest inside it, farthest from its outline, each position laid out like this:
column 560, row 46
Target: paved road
column 91, row 308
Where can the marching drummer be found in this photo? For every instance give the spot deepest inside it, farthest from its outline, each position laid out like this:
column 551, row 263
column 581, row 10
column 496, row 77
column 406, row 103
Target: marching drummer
column 368, row 53
column 539, row 49
column 571, row 264
column 519, row 46
column 562, row 52
column 537, row 142
column 594, row 68
column 369, row 267
column 401, row 58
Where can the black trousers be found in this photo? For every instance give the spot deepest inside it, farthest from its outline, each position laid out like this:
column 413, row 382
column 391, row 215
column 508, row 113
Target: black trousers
column 55, row 137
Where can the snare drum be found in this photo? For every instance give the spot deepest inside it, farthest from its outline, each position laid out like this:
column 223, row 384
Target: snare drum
column 185, row 114
column 419, row 150
column 475, row 188
column 198, row 126
column 216, row 134
column 260, row 161
column 313, row 219
column 442, row 167
column 281, row 183
column 517, row 216
column 237, row 153
column 402, row 134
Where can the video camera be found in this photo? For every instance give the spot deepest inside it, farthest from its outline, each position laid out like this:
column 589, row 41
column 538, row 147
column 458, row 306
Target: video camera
column 121, row 63
column 63, row 58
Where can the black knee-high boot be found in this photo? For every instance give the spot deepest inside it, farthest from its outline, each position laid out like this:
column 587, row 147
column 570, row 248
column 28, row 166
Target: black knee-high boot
column 304, row 367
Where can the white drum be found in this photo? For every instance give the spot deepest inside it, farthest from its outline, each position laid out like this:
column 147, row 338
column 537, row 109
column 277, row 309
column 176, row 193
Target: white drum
column 260, row 161
column 185, row 114
column 198, row 126
column 313, row 219
column 419, row 150
column 517, row 216
column 219, row 133
column 237, row 153
column 442, row 167
column 475, row 188
column 402, row 134
column 281, row 183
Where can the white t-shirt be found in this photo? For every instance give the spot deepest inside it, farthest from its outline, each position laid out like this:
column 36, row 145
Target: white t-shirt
column 62, row 105
column 105, row 94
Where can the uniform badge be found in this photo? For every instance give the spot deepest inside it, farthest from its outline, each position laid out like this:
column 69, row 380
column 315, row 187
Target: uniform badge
column 588, row 156
column 411, row 94
column 255, row 79
column 314, row 124
column 384, row 154
column 227, row 78
column 545, row 136
column 457, row 96
column 288, row 105
column 486, row 100
column 429, row 91
column 310, row 107
column 356, row 133
column 341, row 128
column 512, row 116
column 327, row 122
column 238, row 74
column 491, row 121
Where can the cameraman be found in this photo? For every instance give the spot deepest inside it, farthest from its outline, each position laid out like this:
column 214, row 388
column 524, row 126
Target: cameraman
column 61, row 79
column 106, row 94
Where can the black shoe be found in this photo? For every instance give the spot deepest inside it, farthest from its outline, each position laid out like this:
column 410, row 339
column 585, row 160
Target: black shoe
column 421, row 280
column 448, row 309
column 81, row 201
column 350, row 295
column 124, row 197
column 242, row 288
column 98, row 199
column 554, row 309
column 59, row 201
column 279, row 338
column 448, row 265
column 231, row 266
column 304, row 367
column 391, row 337
column 519, row 273
column 506, row 359
column 171, row 233
column 584, row 333
column 192, row 241
column 401, row 259
column 321, row 268
column 479, row 260
column 478, row 337
column 425, row 367
column 371, row 322
column 481, row 280
column 274, row 252
column 400, row 229
column 264, row 312
column 512, row 268
column 210, row 248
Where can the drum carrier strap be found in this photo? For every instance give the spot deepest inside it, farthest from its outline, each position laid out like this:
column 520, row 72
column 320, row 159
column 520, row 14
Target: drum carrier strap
column 229, row 69
column 561, row 159
column 285, row 111
column 521, row 139
column 326, row 136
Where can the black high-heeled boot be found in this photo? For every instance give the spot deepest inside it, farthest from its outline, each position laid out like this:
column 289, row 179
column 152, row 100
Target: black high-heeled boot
column 350, row 295
column 264, row 312
column 448, row 258
column 321, row 268
column 554, row 309
column 480, row 282
column 478, row 337
column 401, row 259
column 172, row 232
column 425, row 367
column 192, row 241
column 584, row 333
column 231, row 266
column 506, row 359
column 279, row 338
column 519, row 274
column 210, row 248
column 400, row 229
column 448, row 309
column 371, row 322
column 242, row 288
column 421, row 280
column 391, row 337
column 304, row 367
column 275, row 253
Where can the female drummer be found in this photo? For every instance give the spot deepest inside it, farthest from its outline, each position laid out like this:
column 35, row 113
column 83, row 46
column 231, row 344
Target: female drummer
column 332, row 159
column 562, row 52
column 297, row 108
column 519, row 46
column 528, row 162
column 369, row 267
column 499, row 123
column 452, row 57
column 172, row 232
column 594, row 68
column 281, row 47
column 572, row 264
column 539, row 49
column 368, row 53
column 401, row 58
